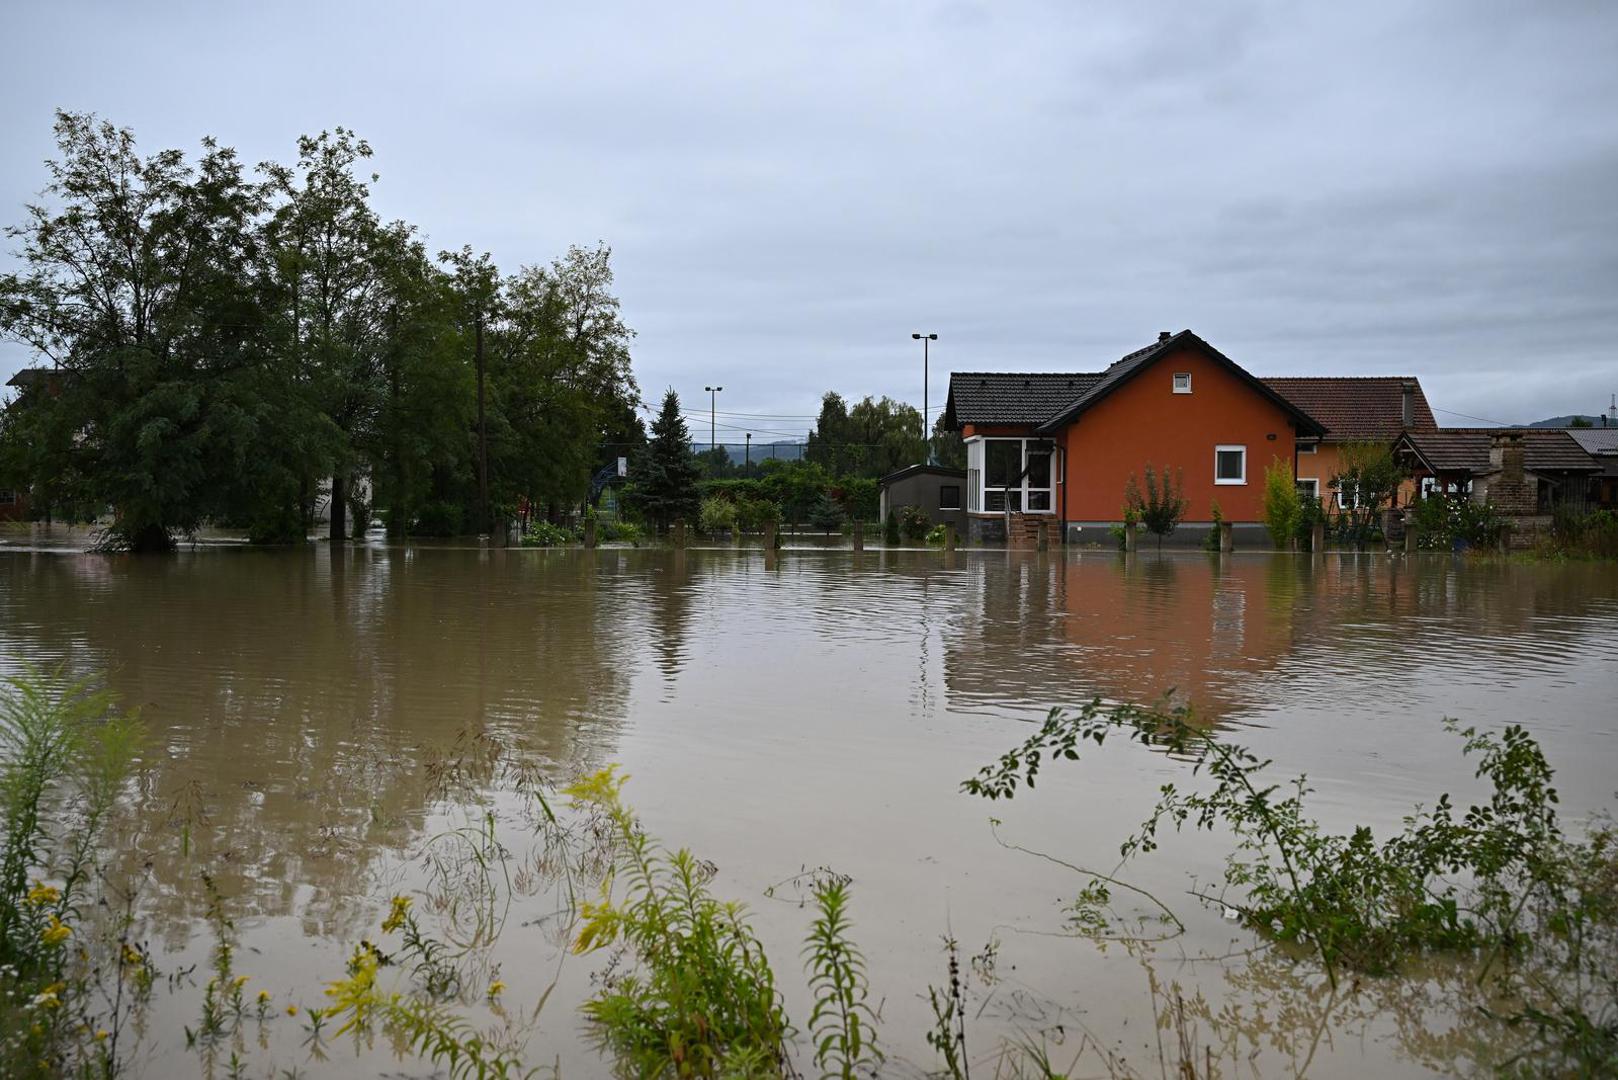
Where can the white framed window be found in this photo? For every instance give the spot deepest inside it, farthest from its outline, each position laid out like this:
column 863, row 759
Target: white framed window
column 1182, row 382
column 1016, row 475
column 1306, row 447
column 1430, row 484
column 1230, row 464
column 1308, row 487
column 1348, row 496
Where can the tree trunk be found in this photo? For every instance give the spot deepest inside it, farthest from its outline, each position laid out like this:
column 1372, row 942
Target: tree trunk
column 149, row 538
column 339, row 508
column 483, row 440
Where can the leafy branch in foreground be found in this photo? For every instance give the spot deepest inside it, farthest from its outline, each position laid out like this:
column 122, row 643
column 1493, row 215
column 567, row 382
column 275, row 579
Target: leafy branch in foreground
column 1500, row 880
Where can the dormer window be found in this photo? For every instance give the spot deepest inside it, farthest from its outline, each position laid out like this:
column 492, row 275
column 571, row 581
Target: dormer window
column 1182, row 382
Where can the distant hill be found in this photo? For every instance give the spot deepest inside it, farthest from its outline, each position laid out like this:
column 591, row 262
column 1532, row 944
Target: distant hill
column 1567, row 421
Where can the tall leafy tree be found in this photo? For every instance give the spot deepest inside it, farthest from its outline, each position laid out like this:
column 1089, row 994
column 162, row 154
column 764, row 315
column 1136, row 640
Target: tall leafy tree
column 663, row 478
column 136, row 287
column 828, row 442
column 889, row 435
column 331, row 272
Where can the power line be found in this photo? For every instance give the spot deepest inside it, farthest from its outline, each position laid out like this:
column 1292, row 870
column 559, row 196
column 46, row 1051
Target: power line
column 1479, row 419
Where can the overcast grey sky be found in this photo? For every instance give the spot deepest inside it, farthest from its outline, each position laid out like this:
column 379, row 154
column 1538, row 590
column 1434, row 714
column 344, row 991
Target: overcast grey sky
column 790, row 190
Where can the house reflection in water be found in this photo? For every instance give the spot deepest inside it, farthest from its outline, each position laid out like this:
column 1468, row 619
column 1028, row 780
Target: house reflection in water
column 1136, row 628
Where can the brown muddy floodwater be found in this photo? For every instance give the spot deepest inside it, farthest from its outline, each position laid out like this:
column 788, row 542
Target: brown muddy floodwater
column 818, row 711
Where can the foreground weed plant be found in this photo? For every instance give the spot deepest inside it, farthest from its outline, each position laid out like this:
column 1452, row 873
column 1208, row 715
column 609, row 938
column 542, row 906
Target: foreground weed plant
column 1500, row 880
column 69, row 983
column 699, row 998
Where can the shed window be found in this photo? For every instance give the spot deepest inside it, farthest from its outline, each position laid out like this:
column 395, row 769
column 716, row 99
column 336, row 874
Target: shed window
column 949, row 496
column 7, row 498
column 1182, row 382
column 1230, row 464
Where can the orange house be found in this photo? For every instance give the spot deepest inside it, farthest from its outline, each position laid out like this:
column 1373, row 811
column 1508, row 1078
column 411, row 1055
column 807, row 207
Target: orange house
column 1062, row 448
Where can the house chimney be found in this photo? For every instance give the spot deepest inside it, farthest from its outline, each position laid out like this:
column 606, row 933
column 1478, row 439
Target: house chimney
column 1506, row 454
column 1163, row 335
column 1407, row 405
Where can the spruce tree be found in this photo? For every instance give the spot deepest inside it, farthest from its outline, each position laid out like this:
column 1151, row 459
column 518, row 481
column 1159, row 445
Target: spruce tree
column 664, row 474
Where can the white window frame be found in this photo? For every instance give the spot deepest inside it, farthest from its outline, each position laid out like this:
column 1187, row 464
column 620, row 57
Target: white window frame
column 1179, row 389
column 1226, row 448
column 1307, row 447
column 1314, row 486
column 1344, row 504
column 978, row 489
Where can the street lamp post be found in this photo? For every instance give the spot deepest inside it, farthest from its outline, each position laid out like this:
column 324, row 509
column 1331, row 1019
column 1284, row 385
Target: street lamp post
column 926, row 340
column 713, row 397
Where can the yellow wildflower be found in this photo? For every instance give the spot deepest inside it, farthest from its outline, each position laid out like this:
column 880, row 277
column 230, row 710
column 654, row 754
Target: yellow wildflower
column 396, row 915
column 56, row 932
column 132, row 956
column 292, row 1010
column 238, row 982
column 101, row 1034
column 356, row 994
column 495, row 988
column 263, row 996
column 42, row 894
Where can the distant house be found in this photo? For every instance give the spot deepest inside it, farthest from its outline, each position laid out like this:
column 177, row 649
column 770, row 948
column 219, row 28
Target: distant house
column 1602, row 445
column 1058, row 449
column 1523, row 471
column 1353, row 409
column 937, row 490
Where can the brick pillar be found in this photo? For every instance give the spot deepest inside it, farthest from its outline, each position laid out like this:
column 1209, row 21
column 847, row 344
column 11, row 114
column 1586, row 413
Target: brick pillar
column 859, row 535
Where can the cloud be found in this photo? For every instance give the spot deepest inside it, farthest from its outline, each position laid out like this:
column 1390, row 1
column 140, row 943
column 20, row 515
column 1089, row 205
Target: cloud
column 790, row 191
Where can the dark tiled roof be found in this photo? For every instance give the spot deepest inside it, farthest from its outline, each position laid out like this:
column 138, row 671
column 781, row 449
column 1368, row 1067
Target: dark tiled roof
column 1126, row 367
column 999, row 397
column 1467, row 449
column 1356, row 407
column 1595, row 440
column 32, row 377
column 917, row 470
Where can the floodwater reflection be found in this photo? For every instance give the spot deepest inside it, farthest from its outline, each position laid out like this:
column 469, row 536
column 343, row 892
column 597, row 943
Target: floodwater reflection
column 778, row 710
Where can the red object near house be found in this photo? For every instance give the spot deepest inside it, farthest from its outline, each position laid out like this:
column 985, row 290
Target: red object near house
column 13, row 505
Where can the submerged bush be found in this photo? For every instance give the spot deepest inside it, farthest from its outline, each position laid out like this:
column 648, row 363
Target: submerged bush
column 542, row 533
column 1499, row 881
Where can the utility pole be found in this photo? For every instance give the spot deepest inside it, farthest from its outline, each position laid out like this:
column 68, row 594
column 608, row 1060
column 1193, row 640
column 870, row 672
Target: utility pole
column 713, row 397
column 483, row 438
column 926, row 430
column 747, row 469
